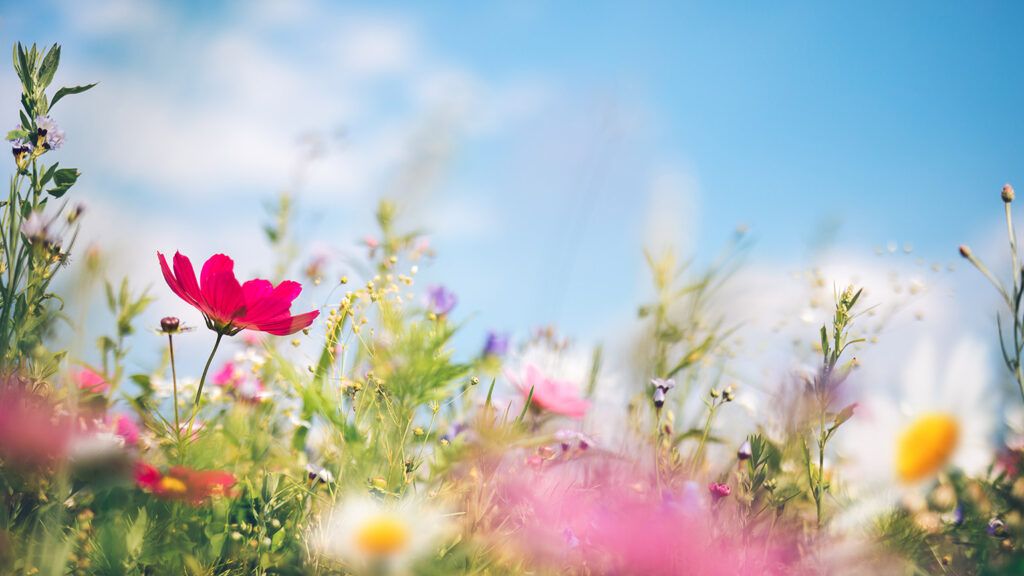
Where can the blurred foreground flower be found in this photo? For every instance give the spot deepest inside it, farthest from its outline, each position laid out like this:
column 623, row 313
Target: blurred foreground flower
column 244, row 386
column 496, row 344
column 602, row 521
column 33, row 433
column 551, row 395
column 181, row 483
column 380, row 537
column 89, row 380
column 440, row 300
column 230, row 307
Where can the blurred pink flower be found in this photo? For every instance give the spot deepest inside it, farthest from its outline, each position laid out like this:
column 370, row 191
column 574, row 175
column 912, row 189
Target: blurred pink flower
column 551, row 395
column 33, row 433
column 603, row 519
column 126, row 428
column 239, row 384
column 90, row 381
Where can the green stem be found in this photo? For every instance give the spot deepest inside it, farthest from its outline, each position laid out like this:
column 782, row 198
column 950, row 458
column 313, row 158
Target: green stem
column 699, row 455
column 202, row 381
column 174, row 384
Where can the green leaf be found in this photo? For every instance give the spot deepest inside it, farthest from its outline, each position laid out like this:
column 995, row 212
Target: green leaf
column 67, row 91
column 843, row 415
column 136, row 533
column 48, row 174
column 63, row 180
column 490, row 392
column 526, row 406
column 23, row 69
column 15, row 134
column 49, row 66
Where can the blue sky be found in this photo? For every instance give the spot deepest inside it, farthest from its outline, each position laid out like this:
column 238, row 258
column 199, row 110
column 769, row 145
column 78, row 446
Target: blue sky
column 558, row 138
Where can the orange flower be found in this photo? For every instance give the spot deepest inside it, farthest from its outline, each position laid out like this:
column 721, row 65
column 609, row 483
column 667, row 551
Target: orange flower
column 184, row 484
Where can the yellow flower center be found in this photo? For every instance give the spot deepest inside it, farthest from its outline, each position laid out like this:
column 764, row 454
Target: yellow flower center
column 173, row 485
column 382, row 535
column 925, row 446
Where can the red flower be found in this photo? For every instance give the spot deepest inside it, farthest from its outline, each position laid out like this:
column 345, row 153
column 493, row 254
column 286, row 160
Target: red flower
column 230, row 307
column 181, row 483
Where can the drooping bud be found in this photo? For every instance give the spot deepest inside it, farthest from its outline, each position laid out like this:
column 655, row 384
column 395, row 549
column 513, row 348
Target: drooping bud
column 965, row 251
column 744, row 452
column 661, row 387
column 1007, row 193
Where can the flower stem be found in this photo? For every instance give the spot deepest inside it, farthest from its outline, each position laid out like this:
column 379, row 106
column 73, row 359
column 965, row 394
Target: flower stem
column 698, row 456
column 202, row 381
column 174, row 383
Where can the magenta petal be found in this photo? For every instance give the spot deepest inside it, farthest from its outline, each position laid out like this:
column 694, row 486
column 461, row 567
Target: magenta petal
column 171, row 280
column 289, row 325
column 223, row 296
column 187, row 280
column 254, row 291
column 274, row 305
column 217, row 264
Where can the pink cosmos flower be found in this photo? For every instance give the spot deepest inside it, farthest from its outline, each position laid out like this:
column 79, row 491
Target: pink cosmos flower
column 126, row 428
column 230, row 307
column 551, row 395
column 90, row 381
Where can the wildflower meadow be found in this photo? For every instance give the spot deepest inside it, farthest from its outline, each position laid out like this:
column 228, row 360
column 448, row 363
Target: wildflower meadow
column 317, row 414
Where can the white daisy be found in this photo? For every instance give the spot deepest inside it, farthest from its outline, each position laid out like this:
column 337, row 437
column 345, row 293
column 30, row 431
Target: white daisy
column 385, row 537
column 942, row 417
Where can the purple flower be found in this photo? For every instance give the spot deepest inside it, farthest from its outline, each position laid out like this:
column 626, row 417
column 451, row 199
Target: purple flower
column 440, row 300
column 454, row 430
column 37, row 229
column 20, row 146
column 52, row 135
column 661, row 386
column 568, row 438
column 496, row 344
column 996, row 528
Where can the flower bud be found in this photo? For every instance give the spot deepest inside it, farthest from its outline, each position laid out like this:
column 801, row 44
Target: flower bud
column 170, row 324
column 996, row 528
column 1007, row 193
column 719, row 490
column 965, row 251
column 744, row 452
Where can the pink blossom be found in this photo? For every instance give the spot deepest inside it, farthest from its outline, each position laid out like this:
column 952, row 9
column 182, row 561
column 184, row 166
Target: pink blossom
column 245, row 387
column 90, row 381
column 551, row 395
column 126, row 428
column 719, row 490
column 229, row 306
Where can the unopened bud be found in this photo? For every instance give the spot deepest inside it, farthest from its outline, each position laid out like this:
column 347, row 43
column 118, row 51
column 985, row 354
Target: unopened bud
column 744, row 452
column 170, row 324
column 1007, row 193
column 965, row 251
